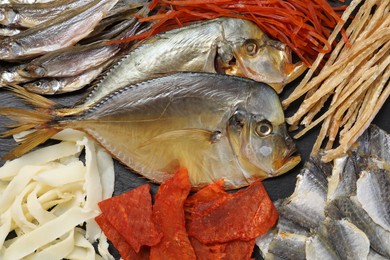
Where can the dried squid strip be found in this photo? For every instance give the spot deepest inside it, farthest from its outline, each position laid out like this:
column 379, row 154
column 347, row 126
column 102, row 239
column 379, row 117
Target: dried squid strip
column 354, row 78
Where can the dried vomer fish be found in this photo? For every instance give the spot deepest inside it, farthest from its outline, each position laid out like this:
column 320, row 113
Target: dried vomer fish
column 215, row 125
column 340, row 211
column 225, row 45
column 65, row 30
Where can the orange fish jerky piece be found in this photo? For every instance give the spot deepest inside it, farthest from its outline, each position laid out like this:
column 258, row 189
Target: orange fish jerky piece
column 245, row 215
column 131, row 215
column 206, row 199
column 236, row 249
column 239, row 249
column 124, row 249
column 168, row 213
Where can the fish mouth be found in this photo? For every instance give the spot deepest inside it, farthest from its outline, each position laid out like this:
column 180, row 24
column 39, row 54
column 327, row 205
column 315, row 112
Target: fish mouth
column 286, row 163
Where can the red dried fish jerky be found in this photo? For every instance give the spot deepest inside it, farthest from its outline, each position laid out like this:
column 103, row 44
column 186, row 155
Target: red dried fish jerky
column 124, row 249
column 208, row 252
column 236, row 249
column 206, row 199
column 131, row 215
column 239, row 249
column 168, row 213
column 245, row 215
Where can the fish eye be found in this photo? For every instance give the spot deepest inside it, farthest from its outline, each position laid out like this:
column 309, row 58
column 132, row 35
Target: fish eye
column 251, row 47
column 263, row 128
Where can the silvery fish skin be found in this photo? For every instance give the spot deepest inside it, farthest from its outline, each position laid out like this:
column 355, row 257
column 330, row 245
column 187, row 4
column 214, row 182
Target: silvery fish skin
column 217, row 126
column 211, row 46
column 373, row 193
column 354, row 199
column 6, row 32
column 287, row 246
column 349, row 208
column 63, row 31
column 344, row 177
column 29, row 15
column 350, row 242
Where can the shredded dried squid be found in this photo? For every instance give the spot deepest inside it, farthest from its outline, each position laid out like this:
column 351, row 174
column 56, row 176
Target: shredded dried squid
column 355, row 80
column 45, row 195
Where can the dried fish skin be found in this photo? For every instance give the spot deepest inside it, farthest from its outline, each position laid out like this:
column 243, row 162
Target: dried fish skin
column 306, row 205
column 349, row 242
column 318, row 247
column 62, row 31
column 287, row 246
column 350, row 209
column 344, row 176
column 195, row 48
column 373, row 193
column 376, row 143
column 356, row 206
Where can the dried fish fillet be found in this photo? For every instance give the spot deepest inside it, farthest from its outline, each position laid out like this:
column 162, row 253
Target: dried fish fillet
column 353, row 202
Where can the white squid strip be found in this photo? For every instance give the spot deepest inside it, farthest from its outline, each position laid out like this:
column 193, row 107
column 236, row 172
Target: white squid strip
column 18, row 214
column 83, row 248
column 47, row 154
column 5, row 226
column 73, row 172
column 69, row 135
column 106, row 171
column 35, row 207
column 93, row 187
column 56, row 251
column 48, row 232
column 16, row 186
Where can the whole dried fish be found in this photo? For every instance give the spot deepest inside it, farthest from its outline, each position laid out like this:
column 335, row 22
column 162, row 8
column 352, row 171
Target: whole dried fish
column 68, row 62
column 63, row 31
column 29, row 15
column 225, row 45
column 352, row 212
column 217, row 126
column 52, row 86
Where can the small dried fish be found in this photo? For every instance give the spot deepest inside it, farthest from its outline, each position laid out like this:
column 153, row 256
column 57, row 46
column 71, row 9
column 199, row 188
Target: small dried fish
column 52, row 86
column 217, row 126
column 63, row 31
column 68, row 62
column 29, row 15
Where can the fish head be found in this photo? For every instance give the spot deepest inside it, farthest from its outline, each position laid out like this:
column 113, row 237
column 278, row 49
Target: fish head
column 258, row 57
column 31, row 70
column 259, row 138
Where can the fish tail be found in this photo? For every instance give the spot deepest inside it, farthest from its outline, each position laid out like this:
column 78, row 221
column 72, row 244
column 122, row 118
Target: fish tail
column 40, row 119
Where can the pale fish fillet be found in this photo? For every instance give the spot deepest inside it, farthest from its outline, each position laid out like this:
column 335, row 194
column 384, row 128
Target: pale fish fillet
column 373, row 192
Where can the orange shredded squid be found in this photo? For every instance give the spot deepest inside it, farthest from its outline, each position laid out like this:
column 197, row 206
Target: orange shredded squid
column 304, row 25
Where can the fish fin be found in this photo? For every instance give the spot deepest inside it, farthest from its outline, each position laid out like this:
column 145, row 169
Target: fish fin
column 31, row 98
column 189, row 134
column 29, row 119
column 30, row 141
